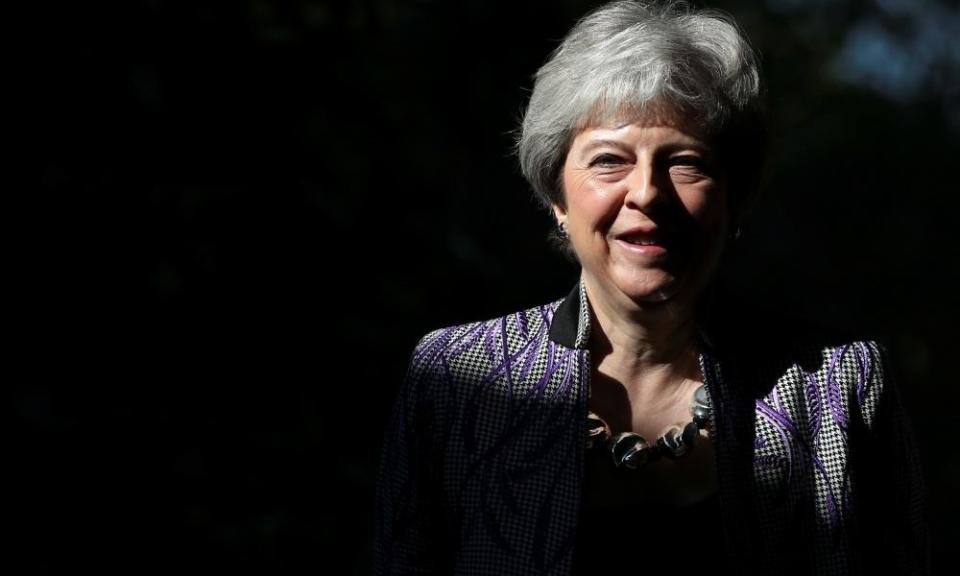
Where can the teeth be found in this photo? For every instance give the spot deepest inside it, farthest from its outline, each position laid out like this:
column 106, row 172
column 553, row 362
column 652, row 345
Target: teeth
column 641, row 242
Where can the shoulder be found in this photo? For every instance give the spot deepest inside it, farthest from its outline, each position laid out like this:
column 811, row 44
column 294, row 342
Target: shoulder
column 481, row 342
column 845, row 379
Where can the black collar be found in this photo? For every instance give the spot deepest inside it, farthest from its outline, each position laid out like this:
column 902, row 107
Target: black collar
column 571, row 321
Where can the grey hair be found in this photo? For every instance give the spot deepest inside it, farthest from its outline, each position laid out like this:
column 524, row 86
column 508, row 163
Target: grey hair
column 628, row 57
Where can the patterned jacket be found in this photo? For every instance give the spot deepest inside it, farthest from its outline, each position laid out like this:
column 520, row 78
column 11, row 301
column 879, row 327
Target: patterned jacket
column 482, row 466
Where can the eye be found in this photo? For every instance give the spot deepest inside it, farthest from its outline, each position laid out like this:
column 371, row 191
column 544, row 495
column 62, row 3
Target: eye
column 606, row 160
column 690, row 168
column 688, row 161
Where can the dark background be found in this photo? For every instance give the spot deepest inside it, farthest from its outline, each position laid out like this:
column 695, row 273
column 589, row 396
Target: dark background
column 245, row 214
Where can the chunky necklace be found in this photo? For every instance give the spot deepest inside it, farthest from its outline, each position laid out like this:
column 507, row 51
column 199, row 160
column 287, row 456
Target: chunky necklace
column 631, row 450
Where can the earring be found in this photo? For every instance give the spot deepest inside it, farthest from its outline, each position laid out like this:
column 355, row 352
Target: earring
column 562, row 230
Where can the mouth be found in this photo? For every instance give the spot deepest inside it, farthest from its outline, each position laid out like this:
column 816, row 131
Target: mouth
column 640, row 241
column 642, row 236
column 649, row 242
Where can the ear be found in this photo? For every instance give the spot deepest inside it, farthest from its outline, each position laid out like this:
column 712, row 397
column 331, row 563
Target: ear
column 559, row 213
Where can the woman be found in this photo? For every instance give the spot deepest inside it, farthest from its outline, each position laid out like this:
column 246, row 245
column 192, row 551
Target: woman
column 612, row 429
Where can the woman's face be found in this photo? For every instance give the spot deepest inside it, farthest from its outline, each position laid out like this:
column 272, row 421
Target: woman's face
column 646, row 209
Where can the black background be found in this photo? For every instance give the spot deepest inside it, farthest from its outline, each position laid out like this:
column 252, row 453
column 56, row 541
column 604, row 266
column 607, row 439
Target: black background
column 245, row 214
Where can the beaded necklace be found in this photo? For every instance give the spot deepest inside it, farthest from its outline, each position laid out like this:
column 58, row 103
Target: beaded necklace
column 632, row 451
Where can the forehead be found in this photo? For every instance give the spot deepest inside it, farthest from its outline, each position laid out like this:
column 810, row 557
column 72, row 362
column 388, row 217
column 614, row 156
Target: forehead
column 647, row 134
column 623, row 119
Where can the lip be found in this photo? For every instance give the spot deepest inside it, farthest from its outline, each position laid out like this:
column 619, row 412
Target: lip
column 640, row 231
column 650, row 233
column 642, row 249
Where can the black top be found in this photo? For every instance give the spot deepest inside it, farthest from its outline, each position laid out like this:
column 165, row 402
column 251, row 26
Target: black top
column 647, row 538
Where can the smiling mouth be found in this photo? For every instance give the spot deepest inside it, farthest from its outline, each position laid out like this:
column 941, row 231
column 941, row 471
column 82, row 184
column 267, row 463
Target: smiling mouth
column 646, row 243
column 639, row 237
column 641, row 241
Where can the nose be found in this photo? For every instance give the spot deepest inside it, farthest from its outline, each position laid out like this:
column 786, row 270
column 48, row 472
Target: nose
column 645, row 187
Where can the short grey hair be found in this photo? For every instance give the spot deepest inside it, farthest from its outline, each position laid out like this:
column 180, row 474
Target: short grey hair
column 630, row 56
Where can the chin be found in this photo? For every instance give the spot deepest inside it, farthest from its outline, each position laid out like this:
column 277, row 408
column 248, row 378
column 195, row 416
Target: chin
column 661, row 296
column 657, row 296
column 652, row 292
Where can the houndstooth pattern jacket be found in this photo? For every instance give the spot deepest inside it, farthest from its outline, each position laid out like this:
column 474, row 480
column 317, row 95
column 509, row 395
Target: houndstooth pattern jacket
column 482, row 466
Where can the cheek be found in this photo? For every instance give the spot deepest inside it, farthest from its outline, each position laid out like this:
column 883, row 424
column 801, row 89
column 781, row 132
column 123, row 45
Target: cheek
column 708, row 207
column 589, row 203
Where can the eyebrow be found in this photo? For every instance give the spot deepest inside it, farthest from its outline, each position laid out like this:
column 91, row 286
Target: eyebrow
column 594, row 144
column 705, row 150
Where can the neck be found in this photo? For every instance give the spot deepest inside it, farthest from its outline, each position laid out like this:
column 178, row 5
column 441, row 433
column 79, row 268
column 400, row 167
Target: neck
column 650, row 349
